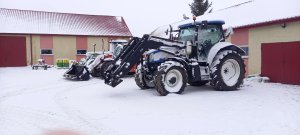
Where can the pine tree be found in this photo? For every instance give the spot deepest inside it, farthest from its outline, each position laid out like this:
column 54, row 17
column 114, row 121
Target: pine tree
column 199, row 7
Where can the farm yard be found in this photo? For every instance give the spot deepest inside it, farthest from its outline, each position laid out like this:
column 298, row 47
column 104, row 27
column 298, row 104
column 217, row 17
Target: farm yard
column 41, row 102
column 168, row 49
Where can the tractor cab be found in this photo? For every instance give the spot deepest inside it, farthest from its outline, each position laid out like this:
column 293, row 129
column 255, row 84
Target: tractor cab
column 200, row 37
column 115, row 43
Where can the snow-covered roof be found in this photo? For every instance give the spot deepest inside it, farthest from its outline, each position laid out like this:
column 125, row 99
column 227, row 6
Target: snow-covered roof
column 246, row 14
column 119, row 41
column 255, row 12
column 216, row 22
column 40, row 22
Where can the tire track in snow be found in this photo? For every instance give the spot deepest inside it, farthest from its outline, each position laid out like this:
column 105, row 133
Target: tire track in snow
column 76, row 114
column 9, row 115
column 34, row 89
column 73, row 115
column 22, row 120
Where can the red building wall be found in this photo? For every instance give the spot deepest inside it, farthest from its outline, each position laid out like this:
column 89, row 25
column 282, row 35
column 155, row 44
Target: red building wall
column 46, row 42
column 81, row 44
column 241, row 38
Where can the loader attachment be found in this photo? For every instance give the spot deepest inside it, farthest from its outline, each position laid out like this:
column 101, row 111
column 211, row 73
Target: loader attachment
column 77, row 72
column 132, row 55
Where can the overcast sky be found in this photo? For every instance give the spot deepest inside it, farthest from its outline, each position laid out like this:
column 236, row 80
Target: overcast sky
column 141, row 16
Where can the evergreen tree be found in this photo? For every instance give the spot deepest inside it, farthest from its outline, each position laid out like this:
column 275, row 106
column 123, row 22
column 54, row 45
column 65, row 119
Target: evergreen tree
column 199, row 7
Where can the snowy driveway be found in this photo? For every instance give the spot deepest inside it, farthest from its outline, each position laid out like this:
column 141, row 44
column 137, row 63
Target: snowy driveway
column 37, row 102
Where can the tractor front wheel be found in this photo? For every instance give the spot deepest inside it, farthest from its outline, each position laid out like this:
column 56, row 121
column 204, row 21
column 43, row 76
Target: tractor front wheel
column 171, row 77
column 140, row 79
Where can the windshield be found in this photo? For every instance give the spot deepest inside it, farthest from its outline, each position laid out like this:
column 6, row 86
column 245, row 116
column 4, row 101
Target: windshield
column 187, row 34
column 210, row 34
column 117, row 50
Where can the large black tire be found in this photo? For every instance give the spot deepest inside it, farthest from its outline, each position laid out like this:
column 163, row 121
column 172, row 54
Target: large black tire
column 140, row 80
column 85, row 76
column 96, row 71
column 198, row 83
column 171, row 77
column 227, row 71
column 104, row 67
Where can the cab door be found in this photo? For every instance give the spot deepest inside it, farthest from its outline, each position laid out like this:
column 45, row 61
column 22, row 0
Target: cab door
column 208, row 36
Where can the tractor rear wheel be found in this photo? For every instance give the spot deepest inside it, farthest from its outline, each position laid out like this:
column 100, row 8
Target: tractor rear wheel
column 96, row 71
column 171, row 77
column 140, row 79
column 227, row 71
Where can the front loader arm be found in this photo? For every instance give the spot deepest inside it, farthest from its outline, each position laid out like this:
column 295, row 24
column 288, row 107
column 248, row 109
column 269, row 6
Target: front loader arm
column 132, row 55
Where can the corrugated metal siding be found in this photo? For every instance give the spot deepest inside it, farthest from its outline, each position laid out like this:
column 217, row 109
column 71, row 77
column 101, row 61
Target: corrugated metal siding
column 38, row 22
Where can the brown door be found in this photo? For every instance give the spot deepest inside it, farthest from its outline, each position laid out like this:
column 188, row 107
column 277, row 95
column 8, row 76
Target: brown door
column 281, row 62
column 12, row 51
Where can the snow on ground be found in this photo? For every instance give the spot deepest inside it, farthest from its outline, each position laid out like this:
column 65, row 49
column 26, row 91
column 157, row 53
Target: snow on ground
column 37, row 102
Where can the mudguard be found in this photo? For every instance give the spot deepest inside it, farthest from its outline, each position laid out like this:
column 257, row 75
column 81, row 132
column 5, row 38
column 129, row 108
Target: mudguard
column 179, row 60
column 222, row 46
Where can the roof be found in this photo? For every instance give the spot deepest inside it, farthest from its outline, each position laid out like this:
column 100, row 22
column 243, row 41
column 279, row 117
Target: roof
column 249, row 13
column 255, row 12
column 217, row 22
column 40, row 22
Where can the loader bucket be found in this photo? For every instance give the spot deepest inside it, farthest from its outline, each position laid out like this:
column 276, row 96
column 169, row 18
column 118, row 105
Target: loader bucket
column 77, row 72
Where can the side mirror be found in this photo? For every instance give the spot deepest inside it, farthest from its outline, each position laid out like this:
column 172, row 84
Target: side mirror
column 229, row 32
column 167, row 31
column 171, row 30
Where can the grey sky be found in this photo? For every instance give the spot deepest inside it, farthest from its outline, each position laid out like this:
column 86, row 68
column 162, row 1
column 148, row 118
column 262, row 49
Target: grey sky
column 142, row 16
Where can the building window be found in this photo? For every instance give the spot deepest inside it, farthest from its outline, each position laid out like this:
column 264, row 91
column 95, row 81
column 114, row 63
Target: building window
column 46, row 51
column 80, row 52
column 246, row 49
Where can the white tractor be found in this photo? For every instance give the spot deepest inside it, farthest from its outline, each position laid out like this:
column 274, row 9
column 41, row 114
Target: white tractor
column 198, row 54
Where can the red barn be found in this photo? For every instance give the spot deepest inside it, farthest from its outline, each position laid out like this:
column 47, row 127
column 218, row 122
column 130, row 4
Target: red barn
column 26, row 36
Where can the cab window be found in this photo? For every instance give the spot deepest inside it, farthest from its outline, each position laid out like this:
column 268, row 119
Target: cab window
column 187, row 34
column 209, row 35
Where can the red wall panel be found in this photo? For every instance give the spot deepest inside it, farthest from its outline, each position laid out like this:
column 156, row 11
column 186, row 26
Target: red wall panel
column 48, row 59
column 46, row 42
column 81, row 43
column 12, row 51
column 240, row 37
column 280, row 62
